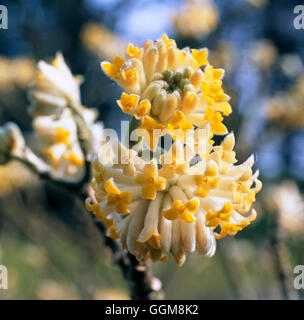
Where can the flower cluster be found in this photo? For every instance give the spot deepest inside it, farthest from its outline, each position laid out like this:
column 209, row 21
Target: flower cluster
column 174, row 207
column 182, row 198
column 196, row 19
column 55, row 97
column 167, row 88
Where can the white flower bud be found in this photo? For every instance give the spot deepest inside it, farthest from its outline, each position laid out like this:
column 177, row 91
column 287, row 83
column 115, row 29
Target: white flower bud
column 11, row 141
column 54, row 88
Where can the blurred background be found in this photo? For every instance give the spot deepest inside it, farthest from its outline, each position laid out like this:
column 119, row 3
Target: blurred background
column 49, row 245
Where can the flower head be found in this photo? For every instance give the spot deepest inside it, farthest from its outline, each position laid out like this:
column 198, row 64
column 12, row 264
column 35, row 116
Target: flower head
column 176, row 205
column 170, row 87
column 55, row 97
column 179, row 199
column 54, row 87
column 59, row 142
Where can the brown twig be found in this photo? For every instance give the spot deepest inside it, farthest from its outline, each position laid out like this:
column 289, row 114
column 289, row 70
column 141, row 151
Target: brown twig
column 142, row 284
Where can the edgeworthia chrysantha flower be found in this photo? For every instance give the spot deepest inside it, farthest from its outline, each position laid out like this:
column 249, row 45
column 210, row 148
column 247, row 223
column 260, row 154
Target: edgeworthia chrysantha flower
column 55, row 97
column 182, row 198
column 167, row 87
column 59, row 142
column 174, row 207
column 54, row 87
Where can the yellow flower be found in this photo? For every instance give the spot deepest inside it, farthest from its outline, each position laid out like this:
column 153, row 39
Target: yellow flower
column 215, row 120
column 182, row 211
column 209, row 180
column 151, row 131
column 173, row 162
column 96, row 209
column 213, row 219
column 199, row 57
column 213, row 92
column 62, row 136
column 129, row 75
column 112, row 69
column 128, row 103
column 224, row 107
column 168, row 80
column 232, row 229
column 150, row 181
column 116, row 198
column 178, row 126
column 168, row 42
column 143, row 109
column 133, row 52
column 213, row 75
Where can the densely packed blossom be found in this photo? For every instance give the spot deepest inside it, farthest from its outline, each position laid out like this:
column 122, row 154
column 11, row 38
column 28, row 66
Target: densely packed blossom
column 167, row 87
column 60, row 142
column 174, row 207
column 196, row 19
column 183, row 198
column 55, row 97
column 288, row 109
